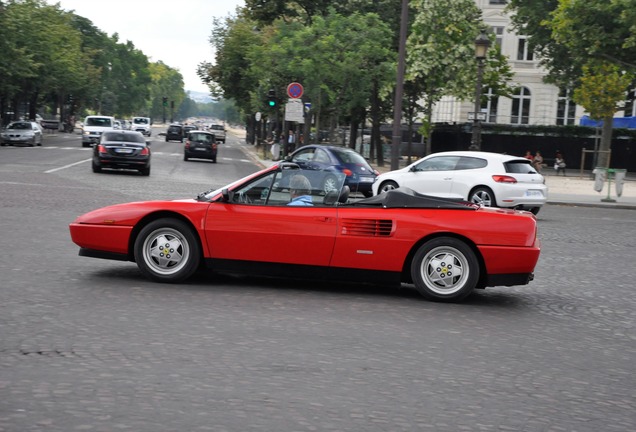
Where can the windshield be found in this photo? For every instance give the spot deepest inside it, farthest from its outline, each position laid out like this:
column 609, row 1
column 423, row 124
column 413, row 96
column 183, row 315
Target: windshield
column 20, row 125
column 280, row 187
column 140, row 121
column 99, row 121
column 217, row 127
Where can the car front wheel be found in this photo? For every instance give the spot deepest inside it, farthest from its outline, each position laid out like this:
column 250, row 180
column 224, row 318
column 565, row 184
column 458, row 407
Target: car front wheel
column 445, row 269
column 167, row 250
column 483, row 196
column 387, row 186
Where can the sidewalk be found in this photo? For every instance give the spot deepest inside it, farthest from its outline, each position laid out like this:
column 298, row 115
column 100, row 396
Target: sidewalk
column 569, row 190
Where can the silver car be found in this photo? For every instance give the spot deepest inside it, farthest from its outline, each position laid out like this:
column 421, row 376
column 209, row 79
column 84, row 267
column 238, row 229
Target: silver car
column 22, row 132
column 489, row 179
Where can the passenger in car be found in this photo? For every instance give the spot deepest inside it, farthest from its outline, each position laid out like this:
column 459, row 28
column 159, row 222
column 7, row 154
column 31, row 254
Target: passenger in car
column 300, row 191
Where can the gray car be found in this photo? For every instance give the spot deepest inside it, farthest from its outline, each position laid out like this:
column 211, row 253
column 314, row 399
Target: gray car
column 22, row 132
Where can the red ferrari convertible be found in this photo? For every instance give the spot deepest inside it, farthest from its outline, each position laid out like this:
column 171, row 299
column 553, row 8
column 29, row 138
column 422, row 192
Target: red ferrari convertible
column 285, row 222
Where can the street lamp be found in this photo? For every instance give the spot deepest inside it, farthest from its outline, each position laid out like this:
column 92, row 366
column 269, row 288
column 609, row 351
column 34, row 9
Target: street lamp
column 481, row 48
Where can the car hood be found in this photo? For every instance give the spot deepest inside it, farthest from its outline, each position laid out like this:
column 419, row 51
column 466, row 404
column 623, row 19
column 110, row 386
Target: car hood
column 129, row 214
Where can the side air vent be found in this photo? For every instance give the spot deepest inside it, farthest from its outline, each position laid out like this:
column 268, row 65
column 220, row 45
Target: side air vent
column 367, row 227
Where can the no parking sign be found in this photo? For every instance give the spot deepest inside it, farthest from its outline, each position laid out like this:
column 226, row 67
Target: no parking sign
column 295, row 90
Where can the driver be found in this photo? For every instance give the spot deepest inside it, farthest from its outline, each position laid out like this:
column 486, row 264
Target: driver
column 299, row 191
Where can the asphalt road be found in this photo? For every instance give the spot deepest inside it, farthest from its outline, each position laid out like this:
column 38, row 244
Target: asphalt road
column 90, row 345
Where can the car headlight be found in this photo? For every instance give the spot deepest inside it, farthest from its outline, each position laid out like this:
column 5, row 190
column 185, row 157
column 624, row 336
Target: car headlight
column 86, row 132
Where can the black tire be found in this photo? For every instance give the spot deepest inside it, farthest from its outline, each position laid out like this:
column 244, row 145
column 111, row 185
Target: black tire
column 185, row 158
column 483, row 196
column 167, row 250
column 368, row 194
column 387, row 186
column 145, row 171
column 167, row 140
column 96, row 168
column 535, row 210
column 445, row 269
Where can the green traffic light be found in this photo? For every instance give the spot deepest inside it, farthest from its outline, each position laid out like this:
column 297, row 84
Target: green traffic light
column 272, row 103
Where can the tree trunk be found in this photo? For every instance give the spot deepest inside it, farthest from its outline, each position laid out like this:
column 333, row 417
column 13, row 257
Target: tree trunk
column 376, row 141
column 606, row 143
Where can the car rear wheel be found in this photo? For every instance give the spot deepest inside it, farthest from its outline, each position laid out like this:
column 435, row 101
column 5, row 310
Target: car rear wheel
column 167, row 250
column 96, row 168
column 483, row 196
column 145, row 171
column 535, row 210
column 445, row 269
column 387, row 186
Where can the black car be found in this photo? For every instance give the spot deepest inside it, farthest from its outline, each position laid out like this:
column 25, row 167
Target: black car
column 175, row 132
column 200, row 145
column 122, row 149
column 359, row 174
column 189, row 128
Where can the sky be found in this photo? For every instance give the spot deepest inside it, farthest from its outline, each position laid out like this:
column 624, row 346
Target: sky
column 175, row 32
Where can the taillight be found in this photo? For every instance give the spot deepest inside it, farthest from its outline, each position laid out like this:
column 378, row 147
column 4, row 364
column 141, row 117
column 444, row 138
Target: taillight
column 187, row 144
column 504, row 179
column 101, row 149
column 347, row 172
column 144, row 151
column 376, row 172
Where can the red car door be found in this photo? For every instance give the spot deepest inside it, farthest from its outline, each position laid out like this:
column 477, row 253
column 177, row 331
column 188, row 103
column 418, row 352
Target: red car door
column 281, row 234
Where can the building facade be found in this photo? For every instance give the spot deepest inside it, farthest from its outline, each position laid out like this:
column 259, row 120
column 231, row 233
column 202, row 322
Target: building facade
column 534, row 103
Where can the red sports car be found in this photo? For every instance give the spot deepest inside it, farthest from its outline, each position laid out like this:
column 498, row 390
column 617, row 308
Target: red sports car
column 277, row 222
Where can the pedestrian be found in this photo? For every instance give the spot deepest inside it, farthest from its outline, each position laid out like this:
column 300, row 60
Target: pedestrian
column 529, row 155
column 274, row 148
column 559, row 164
column 538, row 161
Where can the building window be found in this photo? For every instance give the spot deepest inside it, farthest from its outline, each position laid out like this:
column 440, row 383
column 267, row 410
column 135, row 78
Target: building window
column 498, row 31
column 498, row 2
column 566, row 109
column 524, row 52
column 520, row 106
column 630, row 104
column 490, row 108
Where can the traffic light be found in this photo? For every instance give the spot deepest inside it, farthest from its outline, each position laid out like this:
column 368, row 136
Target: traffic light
column 165, row 101
column 272, row 101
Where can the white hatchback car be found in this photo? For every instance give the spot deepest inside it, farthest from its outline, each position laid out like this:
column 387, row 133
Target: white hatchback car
column 490, row 179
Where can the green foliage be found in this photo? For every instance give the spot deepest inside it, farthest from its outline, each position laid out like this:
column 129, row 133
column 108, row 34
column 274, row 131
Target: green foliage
column 602, row 86
column 49, row 54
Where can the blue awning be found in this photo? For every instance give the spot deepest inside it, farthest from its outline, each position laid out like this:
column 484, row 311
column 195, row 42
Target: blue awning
column 618, row 122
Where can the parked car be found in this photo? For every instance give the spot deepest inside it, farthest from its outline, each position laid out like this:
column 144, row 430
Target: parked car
column 22, row 132
column 489, row 179
column 174, row 133
column 122, row 150
column 142, row 124
column 445, row 247
column 200, row 145
column 94, row 127
column 359, row 174
column 219, row 131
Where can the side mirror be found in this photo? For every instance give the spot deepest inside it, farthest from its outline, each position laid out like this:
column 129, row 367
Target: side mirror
column 227, row 195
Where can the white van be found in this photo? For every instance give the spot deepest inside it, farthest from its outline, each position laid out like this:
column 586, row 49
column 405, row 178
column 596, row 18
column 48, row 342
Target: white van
column 141, row 124
column 93, row 128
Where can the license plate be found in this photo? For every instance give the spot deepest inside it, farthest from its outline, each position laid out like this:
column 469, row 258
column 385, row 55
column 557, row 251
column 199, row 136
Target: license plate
column 534, row 193
column 199, row 149
column 366, row 179
column 123, row 151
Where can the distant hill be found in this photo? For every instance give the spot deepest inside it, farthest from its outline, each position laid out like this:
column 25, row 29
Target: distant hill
column 200, row 97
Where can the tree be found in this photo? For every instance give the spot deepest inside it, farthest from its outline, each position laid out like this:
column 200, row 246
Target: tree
column 579, row 39
column 441, row 55
column 601, row 86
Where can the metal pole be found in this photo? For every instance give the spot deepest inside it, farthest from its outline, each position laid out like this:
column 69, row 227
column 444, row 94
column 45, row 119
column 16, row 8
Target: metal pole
column 475, row 143
column 399, row 88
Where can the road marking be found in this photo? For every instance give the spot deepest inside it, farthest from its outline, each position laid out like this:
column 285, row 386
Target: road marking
column 67, row 166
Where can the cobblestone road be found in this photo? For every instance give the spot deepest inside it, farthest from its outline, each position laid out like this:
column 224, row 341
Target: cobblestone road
column 90, row 345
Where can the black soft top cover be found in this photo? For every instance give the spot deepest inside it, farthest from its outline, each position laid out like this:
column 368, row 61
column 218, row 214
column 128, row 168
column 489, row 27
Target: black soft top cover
column 407, row 198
